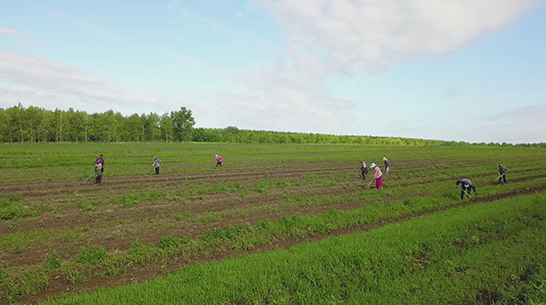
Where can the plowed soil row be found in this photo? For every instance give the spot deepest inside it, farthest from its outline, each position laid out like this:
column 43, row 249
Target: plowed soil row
column 74, row 217
column 123, row 239
column 64, row 188
column 140, row 273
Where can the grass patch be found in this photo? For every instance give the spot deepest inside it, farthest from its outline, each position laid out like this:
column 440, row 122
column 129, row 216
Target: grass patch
column 435, row 259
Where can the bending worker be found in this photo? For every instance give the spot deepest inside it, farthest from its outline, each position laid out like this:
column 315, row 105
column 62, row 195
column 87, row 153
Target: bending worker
column 387, row 165
column 466, row 186
column 378, row 176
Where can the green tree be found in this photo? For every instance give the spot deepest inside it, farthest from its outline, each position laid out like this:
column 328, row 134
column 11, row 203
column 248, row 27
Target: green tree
column 45, row 131
column 133, row 129
column 153, row 130
column 167, row 127
column 34, row 119
column 58, row 124
column 16, row 123
column 183, row 123
column 3, row 126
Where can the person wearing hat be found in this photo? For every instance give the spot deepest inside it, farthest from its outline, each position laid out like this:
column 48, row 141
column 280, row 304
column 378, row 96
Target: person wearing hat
column 218, row 161
column 502, row 173
column 156, row 164
column 387, row 165
column 363, row 169
column 378, row 176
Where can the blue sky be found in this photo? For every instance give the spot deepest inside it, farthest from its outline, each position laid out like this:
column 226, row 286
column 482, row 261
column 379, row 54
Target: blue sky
column 470, row 70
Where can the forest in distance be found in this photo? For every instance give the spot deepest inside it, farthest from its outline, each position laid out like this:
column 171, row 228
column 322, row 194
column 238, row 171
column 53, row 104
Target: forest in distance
column 19, row 124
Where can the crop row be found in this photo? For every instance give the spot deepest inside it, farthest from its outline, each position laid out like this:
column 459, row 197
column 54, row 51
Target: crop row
column 290, row 201
column 58, row 162
column 477, row 254
column 12, row 207
column 288, row 204
column 25, row 279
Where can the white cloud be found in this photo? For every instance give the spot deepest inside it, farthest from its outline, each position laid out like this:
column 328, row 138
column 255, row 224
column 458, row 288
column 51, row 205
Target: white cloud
column 77, row 21
column 521, row 125
column 50, row 84
column 362, row 36
column 4, row 31
column 286, row 99
column 451, row 92
column 196, row 64
column 10, row 32
column 534, row 113
column 219, row 26
column 354, row 36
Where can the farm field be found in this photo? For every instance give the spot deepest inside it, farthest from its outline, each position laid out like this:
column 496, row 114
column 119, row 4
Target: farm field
column 59, row 234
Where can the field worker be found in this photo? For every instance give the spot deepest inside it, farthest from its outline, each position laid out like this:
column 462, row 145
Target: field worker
column 387, row 165
column 363, row 169
column 378, row 176
column 502, row 173
column 101, row 161
column 466, row 186
column 218, row 161
column 156, row 164
column 98, row 171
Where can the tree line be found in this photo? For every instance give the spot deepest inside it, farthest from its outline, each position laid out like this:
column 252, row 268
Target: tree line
column 37, row 125
column 20, row 125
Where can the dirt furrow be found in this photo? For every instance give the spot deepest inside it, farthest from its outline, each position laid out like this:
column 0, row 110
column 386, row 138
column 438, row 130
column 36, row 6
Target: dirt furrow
column 140, row 273
column 75, row 217
column 123, row 239
column 69, row 187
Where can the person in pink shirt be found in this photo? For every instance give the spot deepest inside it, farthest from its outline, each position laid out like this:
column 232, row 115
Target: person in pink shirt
column 218, row 161
column 378, row 176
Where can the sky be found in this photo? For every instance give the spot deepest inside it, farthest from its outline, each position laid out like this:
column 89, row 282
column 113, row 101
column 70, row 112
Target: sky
column 463, row 70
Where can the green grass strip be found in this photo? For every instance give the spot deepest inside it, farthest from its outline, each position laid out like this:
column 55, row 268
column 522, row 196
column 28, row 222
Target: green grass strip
column 465, row 255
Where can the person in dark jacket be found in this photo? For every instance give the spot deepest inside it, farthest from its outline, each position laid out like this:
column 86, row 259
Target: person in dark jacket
column 466, row 186
column 502, row 173
column 363, row 169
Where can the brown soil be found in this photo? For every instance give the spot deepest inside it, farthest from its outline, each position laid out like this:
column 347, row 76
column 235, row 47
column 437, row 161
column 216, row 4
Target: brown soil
column 141, row 273
column 66, row 195
column 119, row 239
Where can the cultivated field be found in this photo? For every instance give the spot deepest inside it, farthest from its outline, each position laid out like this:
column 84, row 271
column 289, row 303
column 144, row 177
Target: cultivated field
column 414, row 241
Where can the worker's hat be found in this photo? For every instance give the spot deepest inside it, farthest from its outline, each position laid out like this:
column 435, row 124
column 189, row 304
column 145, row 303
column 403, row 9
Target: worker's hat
column 373, row 165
